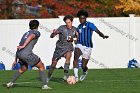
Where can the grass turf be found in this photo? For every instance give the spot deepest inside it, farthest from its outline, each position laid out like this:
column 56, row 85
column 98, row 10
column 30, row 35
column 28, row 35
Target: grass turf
column 97, row 81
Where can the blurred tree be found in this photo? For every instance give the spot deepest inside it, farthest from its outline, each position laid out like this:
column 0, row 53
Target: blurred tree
column 129, row 7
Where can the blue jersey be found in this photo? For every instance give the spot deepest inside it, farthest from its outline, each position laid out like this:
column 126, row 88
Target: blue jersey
column 85, row 34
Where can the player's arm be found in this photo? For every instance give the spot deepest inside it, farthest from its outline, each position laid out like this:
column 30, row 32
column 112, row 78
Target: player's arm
column 94, row 28
column 101, row 34
column 54, row 33
column 76, row 37
column 28, row 40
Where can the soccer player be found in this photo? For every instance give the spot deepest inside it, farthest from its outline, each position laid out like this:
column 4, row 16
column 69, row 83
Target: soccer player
column 84, row 43
column 25, row 55
column 64, row 45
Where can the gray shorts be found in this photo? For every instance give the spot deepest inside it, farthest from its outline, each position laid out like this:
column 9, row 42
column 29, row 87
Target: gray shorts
column 61, row 50
column 58, row 54
column 30, row 59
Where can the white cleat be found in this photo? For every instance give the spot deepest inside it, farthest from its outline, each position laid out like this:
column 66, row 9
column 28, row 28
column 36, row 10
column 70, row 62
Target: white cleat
column 83, row 76
column 9, row 85
column 76, row 79
column 46, row 87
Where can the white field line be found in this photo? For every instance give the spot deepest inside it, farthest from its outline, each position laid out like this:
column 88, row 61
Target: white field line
column 89, row 81
column 111, row 81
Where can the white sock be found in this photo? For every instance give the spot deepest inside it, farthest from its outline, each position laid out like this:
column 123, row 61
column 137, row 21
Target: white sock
column 75, row 72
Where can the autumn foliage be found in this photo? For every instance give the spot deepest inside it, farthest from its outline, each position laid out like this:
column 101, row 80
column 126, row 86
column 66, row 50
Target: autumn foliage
column 20, row 9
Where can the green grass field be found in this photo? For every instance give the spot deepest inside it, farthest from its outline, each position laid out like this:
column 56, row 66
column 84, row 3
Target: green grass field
column 97, row 81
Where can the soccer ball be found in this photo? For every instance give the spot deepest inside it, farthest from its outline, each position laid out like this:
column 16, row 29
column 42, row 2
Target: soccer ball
column 71, row 80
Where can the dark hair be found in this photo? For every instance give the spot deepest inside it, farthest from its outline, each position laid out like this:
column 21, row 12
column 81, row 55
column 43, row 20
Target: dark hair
column 68, row 17
column 33, row 24
column 82, row 13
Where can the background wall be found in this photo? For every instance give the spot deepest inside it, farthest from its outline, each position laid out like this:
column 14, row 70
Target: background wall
column 115, row 52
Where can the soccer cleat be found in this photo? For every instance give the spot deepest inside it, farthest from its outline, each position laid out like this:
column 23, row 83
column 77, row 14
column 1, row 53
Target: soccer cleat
column 9, row 85
column 83, row 76
column 76, row 79
column 46, row 87
column 65, row 77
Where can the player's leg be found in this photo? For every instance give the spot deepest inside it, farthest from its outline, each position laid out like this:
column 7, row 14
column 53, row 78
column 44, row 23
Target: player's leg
column 77, row 53
column 85, row 59
column 34, row 60
column 42, row 74
column 67, row 64
column 55, row 58
column 17, row 75
column 84, row 64
column 85, row 68
column 52, row 67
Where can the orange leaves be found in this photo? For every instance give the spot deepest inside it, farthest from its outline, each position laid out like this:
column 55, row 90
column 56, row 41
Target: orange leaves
column 129, row 6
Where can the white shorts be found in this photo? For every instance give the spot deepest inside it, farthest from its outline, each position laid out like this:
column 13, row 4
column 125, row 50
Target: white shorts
column 86, row 51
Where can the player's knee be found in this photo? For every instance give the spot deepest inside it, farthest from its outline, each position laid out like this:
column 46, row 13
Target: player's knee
column 42, row 65
column 22, row 70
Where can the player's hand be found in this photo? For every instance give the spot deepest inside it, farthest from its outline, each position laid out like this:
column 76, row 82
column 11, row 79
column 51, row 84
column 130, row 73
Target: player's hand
column 69, row 39
column 54, row 31
column 105, row 37
column 14, row 63
column 75, row 40
column 53, row 34
column 20, row 47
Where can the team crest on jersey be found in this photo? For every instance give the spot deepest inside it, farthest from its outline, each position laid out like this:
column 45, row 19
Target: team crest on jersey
column 74, row 32
column 80, row 30
column 84, row 26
